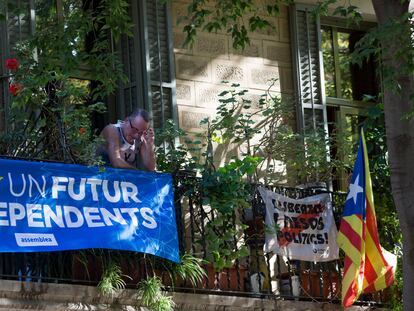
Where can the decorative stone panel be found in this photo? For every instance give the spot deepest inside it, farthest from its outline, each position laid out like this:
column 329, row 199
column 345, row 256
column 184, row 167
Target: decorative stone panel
column 190, row 118
column 260, row 77
column 253, row 53
column 207, row 94
column 185, row 93
column 254, row 96
column 211, row 45
column 193, row 68
column 228, row 71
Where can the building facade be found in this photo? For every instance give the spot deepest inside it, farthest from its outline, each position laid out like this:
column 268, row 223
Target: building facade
column 308, row 59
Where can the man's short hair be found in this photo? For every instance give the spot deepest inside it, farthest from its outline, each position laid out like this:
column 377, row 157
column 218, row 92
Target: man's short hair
column 142, row 113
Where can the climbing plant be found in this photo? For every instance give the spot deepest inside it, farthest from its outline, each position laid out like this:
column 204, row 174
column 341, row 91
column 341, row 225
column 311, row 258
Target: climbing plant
column 63, row 74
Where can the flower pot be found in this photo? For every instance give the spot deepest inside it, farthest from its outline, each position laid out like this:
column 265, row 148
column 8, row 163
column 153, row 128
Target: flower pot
column 256, row 282
column 230, row 279
column 289, row 285
column 320, row 284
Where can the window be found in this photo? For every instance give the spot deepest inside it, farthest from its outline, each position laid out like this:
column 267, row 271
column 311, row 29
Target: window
column 346, row 85
column 329, row 88
column 148, row 64
column 17, row 23
column 344, row 80
column 146, row 56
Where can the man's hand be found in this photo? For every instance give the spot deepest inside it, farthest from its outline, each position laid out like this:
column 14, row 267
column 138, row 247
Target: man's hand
column 147, row 149
column 148, row 138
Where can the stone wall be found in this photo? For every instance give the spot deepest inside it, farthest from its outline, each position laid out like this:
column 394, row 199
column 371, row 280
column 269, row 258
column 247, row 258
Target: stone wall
column 201, row 70
column 16, row 295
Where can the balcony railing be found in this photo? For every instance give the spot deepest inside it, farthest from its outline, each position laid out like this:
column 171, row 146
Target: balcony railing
column 257, row 275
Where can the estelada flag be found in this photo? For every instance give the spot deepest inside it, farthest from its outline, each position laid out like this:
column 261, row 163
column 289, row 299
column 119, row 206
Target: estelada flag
column 367, row 267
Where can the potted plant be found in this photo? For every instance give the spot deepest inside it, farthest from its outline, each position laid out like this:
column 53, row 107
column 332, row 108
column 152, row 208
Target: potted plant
column 225, row 192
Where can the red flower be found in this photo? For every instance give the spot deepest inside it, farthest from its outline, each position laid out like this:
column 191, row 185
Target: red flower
column 12, row 64
column 15, row 88
column 82, row 131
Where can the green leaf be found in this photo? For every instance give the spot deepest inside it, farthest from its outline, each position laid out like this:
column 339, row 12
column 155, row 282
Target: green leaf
column 223, row 93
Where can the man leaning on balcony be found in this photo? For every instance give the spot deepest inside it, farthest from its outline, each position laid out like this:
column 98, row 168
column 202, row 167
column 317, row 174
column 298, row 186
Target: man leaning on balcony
column 129, row 143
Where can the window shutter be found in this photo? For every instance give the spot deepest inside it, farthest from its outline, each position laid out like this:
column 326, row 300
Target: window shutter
column 131, row 95
column 18, row 25
column 3, row 78
column 161, row 74
column 148, row 63
column 20, row 22
column 311, row 108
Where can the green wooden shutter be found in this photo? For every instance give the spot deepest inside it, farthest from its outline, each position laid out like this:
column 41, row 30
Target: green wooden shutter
column 18, row 25
column 20, row 21
column 160, row 64
column 131, row 95
column 311, row 107
column 3, row 78
column 148, row 62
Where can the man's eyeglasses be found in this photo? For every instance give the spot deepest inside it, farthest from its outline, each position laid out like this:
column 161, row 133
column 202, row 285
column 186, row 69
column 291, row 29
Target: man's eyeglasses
column 134, row 128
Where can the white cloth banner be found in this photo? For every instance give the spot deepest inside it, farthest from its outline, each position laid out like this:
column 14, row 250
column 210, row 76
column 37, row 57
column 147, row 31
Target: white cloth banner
column 301, row 229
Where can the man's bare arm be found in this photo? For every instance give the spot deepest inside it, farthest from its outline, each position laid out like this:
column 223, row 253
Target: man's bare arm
column 110, row 133
column 147, row 150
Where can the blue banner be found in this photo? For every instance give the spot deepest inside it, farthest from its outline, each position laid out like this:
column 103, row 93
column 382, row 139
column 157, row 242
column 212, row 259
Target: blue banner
column 52, row 206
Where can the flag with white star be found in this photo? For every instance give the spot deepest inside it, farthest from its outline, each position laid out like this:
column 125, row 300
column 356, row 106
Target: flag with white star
column 367, row 266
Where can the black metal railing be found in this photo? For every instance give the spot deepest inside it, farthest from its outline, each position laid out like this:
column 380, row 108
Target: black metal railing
column 256, row 275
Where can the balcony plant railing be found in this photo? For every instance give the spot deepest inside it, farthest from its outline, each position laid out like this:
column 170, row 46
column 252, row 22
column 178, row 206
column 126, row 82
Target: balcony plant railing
column 254, row 275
